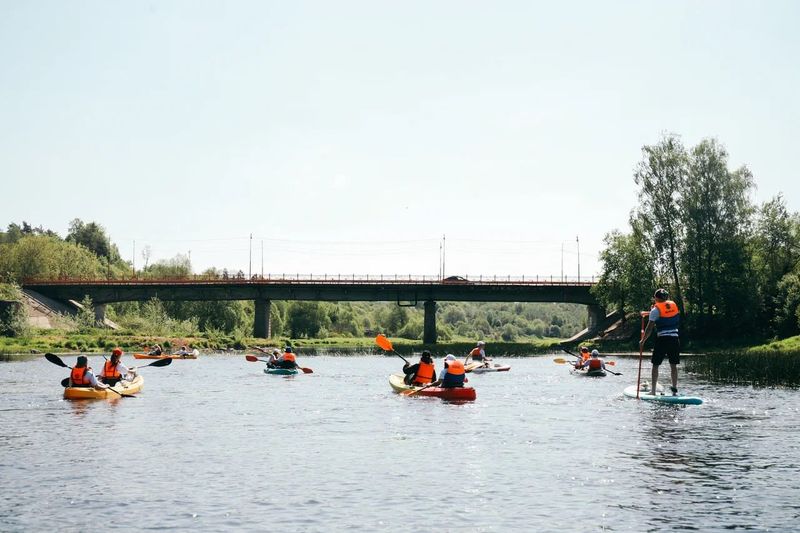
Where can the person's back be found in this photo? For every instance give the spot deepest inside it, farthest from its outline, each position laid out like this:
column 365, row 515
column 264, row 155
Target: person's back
column 421, row 373
column 113, row 369
column 82, row 376
column 594, row 362
column 455, row 375
column 287, row 360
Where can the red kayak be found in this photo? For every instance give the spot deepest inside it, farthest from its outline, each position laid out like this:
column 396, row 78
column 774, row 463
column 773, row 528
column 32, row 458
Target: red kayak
column 461, row 394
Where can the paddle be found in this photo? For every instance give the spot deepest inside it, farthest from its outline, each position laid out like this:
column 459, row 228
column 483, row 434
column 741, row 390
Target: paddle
column 561, row 361
column 415, row 391
column 386, row 344
column 253, row 359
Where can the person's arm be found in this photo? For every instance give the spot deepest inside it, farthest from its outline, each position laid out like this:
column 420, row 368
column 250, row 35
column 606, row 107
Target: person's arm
column 94, row 383
column 647, row 331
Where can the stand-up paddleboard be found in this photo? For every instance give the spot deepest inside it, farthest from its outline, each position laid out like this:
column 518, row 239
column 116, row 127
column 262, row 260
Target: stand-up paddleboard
column 496, row 368
column 659, row 396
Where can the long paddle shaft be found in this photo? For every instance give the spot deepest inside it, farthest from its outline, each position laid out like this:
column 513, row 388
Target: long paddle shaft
column 641, row 349
column 253, row 359
column 431, row 384
column 386, row 344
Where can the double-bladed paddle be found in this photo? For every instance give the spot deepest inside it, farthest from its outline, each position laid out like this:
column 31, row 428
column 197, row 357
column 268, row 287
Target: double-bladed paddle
column 386, row 344
column 561, row 361
column 253, row 359
column 415, row 391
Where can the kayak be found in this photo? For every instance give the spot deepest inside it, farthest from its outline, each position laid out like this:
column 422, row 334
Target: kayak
column 587, row 373
column 164, row 356
column 456, row 394
column 281, row 371
column 630, row 392
column 90, row 393
column 496, row 368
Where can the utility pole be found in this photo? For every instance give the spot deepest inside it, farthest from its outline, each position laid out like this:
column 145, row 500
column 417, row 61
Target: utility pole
column 262, row 258
column 190, row 262
column 579, row 258
column 250, row 268
column 444, row 253
column 134, row 258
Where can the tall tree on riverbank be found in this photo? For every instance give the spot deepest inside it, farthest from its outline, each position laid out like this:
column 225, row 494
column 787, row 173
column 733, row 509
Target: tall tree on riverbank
column 661, row 176
column 716, row 216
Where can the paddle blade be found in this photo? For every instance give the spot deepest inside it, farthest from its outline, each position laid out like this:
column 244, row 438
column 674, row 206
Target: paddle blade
column 56, row 360
column 65, row 382
column 252, row 358
column 383, row 342
column 161, row 362
column 612, row 363
column 306, row 370
column 560, row 360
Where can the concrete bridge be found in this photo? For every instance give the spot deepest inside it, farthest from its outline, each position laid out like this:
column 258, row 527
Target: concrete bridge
column 405, row 291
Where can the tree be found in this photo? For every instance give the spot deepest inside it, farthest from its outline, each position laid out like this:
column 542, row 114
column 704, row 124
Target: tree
column 627, row 279
column 661, row 176
column 306, row 319
column 93, row 236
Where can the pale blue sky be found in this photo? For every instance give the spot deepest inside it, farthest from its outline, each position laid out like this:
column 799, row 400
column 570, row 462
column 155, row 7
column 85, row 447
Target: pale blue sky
column 350, row 136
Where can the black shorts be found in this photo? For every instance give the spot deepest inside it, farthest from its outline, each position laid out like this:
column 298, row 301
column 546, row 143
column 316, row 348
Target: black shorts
column 669, row 347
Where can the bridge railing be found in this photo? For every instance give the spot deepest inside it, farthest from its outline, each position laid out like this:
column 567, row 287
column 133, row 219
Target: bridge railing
column 322, row 279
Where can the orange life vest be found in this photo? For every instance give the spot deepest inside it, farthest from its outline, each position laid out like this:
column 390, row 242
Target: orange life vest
column 78, row 377
column 585, row 356
column 110, row 371
column 289, row 356
column 595, row 364
column 668, row 319
column 475, row 351
column 455, row 367
column 424, row 373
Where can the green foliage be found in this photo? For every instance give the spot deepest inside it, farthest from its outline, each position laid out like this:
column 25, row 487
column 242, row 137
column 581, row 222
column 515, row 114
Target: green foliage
column 762, row 367
column 93, row 237
column 13, row 315
column 41, row 256
column 85, row 318
column 306, row 319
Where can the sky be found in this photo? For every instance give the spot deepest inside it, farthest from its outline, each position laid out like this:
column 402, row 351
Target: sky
column 362, row 137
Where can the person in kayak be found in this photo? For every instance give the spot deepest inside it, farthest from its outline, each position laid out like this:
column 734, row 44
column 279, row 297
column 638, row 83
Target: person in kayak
column 156, row 350
column 478, row 354
column 82, row 375
column 288, row 360
column 454, row 376
column 114, row 371
column 421, row 373
column 594, row 362
column 585, row 356
column 273, row 358
column 183, row 351
column 665, row 318
column 445, row 362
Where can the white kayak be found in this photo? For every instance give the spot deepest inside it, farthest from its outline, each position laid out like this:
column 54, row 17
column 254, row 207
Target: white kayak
column 496, row 368
column 659, row 396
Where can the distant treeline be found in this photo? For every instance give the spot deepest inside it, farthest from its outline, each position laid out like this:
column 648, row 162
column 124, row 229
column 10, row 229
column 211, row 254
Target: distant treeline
column 731, row 266
column 86, row 251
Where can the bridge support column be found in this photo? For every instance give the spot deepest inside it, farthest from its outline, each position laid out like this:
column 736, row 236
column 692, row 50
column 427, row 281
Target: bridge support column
column 429, row 331
column 100, row 314
column 262, row 327
column 596, row 316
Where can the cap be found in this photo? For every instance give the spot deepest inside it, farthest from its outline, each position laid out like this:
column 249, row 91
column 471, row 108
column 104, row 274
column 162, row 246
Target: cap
column 276, row 351
column 595, row 353
column 450, row 357
column 481, row 343
column 584, row 349
column 426, row 352
column 661, row 294
column 288, row 349
column 116, row 351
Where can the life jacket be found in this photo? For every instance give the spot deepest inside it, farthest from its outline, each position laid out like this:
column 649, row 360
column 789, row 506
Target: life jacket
column 585, row 356
column 289, row 356
column 110, row 371
column 669, row 318
column 595, row 364
column 78, row 377
column 454, row 377
column 476, row 353
column 424, row 374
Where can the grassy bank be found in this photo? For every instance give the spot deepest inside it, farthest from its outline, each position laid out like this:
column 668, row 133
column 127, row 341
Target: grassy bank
column 103, row 341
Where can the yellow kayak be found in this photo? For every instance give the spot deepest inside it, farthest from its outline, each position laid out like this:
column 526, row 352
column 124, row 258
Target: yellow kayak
column 90, row 393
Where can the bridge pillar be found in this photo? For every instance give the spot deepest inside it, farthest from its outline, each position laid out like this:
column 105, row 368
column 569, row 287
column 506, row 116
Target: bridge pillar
column 100, row 314
column 262, row 327
column 429, row 331
column 596, row 316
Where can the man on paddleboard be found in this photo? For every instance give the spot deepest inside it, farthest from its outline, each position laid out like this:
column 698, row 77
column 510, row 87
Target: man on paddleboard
column 665, row 317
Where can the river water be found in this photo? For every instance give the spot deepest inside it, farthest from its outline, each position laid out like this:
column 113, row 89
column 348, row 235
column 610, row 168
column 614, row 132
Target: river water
column 215, row 444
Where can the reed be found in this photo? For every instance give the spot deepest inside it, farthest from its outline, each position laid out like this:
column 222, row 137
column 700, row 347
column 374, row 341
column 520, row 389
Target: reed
column 758, row 368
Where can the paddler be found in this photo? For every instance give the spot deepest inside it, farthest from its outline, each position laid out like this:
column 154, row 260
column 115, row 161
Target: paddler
column 114, row 371
column 585, row 356
column 273, row 358
column 454, row 375
column 478, row 354
column 448, row 358
column 287, row 360
column 594, row 362
column 421, row 373
column 82, row 375
column 665, row 317
column 156, row 350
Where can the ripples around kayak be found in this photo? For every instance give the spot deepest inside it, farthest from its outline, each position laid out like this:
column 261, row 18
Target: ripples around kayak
column 215, row 444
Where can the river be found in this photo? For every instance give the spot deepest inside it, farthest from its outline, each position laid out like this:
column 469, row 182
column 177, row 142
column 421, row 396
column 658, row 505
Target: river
column 215, row 444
